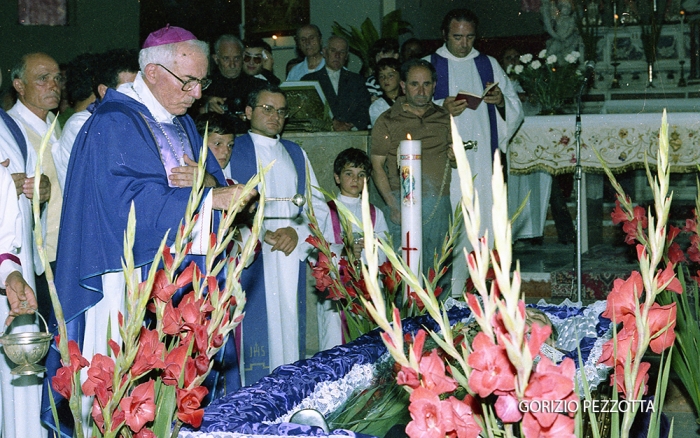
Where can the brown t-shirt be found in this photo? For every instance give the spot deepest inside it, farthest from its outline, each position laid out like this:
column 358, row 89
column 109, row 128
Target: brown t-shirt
column 433, row 129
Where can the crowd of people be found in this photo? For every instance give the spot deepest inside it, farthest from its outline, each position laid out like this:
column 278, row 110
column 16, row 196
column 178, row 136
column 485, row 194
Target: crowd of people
column 135, row 124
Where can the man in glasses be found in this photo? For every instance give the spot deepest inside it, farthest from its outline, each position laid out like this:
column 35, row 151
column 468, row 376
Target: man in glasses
column 279, row 311
column 258, row 61
column 139, row 147
column 230, row 87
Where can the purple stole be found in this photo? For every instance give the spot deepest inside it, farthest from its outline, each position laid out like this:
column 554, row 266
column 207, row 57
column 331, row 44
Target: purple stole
column 171, row 138
column 485, row 69
column 244, row 165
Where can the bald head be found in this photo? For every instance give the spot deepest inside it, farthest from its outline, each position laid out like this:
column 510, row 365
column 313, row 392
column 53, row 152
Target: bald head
column 38, row 81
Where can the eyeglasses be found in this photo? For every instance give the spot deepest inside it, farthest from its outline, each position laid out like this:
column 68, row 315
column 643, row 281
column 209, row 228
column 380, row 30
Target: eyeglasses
column 189, row 84
column 270, row 110
column 257, row 59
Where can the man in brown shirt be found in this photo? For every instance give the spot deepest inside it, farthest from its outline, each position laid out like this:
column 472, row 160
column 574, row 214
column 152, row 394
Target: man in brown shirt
column 417, row 115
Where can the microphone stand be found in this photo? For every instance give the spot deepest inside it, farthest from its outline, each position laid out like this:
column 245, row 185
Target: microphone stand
column 578, row 175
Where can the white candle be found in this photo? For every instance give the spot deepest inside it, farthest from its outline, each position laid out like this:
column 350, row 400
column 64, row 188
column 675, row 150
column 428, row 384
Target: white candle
column 411, row 204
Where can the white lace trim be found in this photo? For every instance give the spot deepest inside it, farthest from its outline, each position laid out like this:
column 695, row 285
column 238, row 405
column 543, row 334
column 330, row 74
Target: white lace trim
column 329, row 396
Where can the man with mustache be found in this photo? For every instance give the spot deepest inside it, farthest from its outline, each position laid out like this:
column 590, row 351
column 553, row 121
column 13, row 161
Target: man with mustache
column 38, row 81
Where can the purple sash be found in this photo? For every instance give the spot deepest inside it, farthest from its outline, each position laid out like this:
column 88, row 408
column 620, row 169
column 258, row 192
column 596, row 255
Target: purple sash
column 485, row 69
column 335, row 219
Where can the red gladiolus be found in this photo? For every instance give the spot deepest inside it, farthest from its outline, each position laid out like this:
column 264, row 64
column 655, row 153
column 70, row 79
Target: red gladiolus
column 431, row 417
column 172, row 319
column 675, row 254
column 491, row 368
column 139, row 408
column 145, row 433
column 694, row 248
column 538, row 336
column 669, row 274
column 618, row 215
column 432, row 370
column 507, row 408
column 630, row 229
column 201, row 363
column 626, row 343
column 419, row 342
column 150, row 353
column 77, row 361
column 551, row 382
column 99, row 375
column 618, row 379
column 562, row 427
column 621, row 302
column 174, row 362
column 660, row 317
column 463, row 417
column 391, row 278
column 321, row 272
column 188, row 403
column 62, row 382
column 407, row 377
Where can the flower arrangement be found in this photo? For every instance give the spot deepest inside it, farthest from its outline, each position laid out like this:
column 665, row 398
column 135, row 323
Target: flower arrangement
column 550, row 82
column 152, row 382
column 480, row 388
column 340, row 278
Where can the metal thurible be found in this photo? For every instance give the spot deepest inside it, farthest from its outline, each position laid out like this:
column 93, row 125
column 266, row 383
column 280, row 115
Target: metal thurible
column 470, row 144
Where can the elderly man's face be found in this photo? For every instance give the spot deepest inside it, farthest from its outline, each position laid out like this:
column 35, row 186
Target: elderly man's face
column 265, row 118
column 190, row 63
column 460, row 38
column 336, row 54
column 253, row 60
column 309, row 41
column 419, row 87
column 40, row 89
column 229, row 59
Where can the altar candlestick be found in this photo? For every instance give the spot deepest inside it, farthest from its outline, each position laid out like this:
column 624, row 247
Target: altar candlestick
column 411, row 204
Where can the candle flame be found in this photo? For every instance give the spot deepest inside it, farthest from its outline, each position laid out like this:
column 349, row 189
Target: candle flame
column 408, row 136
column 274, row 37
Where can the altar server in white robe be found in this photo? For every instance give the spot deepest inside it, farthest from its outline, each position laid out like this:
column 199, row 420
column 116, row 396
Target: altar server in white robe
column 491, row 125
column 19, row 395
column 285, row 229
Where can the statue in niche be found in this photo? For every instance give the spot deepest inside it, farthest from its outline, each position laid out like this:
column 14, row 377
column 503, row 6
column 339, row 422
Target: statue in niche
column 559, row 19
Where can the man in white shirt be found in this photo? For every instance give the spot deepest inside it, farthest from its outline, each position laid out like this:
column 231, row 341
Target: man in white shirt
column 38, row 80
column 308, row 39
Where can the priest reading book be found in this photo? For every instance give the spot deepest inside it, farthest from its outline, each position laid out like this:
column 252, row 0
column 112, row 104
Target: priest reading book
column 473, row 100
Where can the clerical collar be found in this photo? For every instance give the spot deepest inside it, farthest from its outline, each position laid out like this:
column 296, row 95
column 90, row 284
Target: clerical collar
column 442, row 51
column 263, row 139
column 139, row 91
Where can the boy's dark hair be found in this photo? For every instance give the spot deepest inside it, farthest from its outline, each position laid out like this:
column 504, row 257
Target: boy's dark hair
column 459, row 15
column 383, row 45
column 355, row 158
column 79, row 72
column 387, row 63
column 218, row 124
column 111, row 64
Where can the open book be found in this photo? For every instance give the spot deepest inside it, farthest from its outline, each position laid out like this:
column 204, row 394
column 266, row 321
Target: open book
column 473, row 100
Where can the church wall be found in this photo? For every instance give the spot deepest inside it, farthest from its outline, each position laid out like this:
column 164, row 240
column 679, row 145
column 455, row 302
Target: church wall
column 94, row 26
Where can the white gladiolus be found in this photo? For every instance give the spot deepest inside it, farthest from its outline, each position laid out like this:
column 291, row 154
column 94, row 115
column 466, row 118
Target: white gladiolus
column 570, row 58
column 509, row 68
column 551, row 59
column 542, row 54
column 526, row 58
column 518, row 69
column 576, row 54
column 535, row 65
